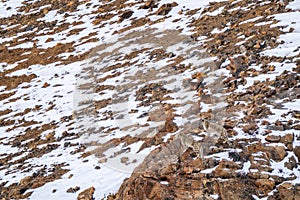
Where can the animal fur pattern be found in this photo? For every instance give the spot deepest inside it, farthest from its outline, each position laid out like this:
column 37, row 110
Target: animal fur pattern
column 214, row 132
column 187, row 141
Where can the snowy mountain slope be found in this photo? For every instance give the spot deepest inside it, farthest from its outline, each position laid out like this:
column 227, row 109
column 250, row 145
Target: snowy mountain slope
column 89, row 89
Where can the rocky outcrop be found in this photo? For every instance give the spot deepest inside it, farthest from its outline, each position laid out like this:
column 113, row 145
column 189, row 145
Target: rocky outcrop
column 248, row 166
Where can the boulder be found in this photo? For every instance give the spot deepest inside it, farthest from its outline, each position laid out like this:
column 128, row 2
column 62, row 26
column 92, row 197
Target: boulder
column 87, row 194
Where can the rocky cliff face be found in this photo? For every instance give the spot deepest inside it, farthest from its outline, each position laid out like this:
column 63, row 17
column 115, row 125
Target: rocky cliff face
column 264, row 161
column 108, row 99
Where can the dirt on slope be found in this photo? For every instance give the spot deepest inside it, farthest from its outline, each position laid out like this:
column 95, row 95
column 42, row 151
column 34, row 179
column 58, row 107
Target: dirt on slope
column 236, row 45
column 209, row 178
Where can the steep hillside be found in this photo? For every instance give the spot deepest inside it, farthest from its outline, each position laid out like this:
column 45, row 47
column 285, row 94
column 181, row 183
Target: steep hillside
column 111, row 99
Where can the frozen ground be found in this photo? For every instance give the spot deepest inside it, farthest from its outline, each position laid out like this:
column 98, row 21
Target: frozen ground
column 85, row 83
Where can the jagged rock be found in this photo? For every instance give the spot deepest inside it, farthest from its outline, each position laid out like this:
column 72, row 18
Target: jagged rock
column 273, row 138
column 235, row 156
column 124, row 160
column 170, row 127
column 296, row 114
column 261, row 168
column 237, row 189
column 73, row 189
column 265, row 185
column 287, row 194
column 250, row 128
column 87, row 194
column 277, row 153
column 237, row 65
column 286, row 191
column 297, row 152
column 166, row 8
column 229, row 124
column 285, row 186
column 46, row 85
column 126, row 14
column 142, row 188
column 187, row 169
column 296, row 127
column 149, row 5
column 291, row 163
column 178, row 169
column 288, row 140
column 226, row 169
column 198, row 165
column 262, row 159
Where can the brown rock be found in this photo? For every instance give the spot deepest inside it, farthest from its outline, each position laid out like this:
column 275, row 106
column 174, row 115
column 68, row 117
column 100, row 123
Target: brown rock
column 296, row 114
column 187, row 169
column 103, row 160
column 170, row 126
column 275, row 128
column 73, row 190
column 124, row 160
column 286, row 194
column 291, row 163
column 290, row 146
column 224, row 173
column 49, row 40
column 277, row 179
column 237, row 65
column 297, row 152
column 138, row 187
column 287, row 139
column 166, row 8
column 297, row 195
column 237, row 189
column 87, row 194
column 26, row 180
column 273, row 138
column 250, row 128
column 261, row 168
column 285, row 186
column 45, row 85
column 262, row 159
column 231, row 132
column 276, row 153
column 197, row 164
column 278, row 123
column 126, row 14
column 254, row 175
column 149, row 4
column 257, row 46
column 226, row 169
column 297, row 127
column 265, row 122
column 206, row 99
column 229, row 124
column 264, row 176
column 265, row 184
column 37, row 184
column 168, row 170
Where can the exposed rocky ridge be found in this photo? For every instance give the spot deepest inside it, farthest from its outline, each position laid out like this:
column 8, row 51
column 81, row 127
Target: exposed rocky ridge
column 188, row 178
column 263, row 152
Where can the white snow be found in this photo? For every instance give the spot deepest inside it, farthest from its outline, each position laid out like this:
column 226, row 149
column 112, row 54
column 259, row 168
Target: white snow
column 66, row 98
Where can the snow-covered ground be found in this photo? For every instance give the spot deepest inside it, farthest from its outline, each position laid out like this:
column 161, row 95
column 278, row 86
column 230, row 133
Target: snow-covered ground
column 77, row 57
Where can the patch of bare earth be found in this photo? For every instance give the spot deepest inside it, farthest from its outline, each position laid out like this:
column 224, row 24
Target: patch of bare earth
column 186, row 175
column 209, row 178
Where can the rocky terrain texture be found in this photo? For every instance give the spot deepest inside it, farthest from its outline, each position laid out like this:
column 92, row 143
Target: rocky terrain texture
column 267, row 146
column 99, row 99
